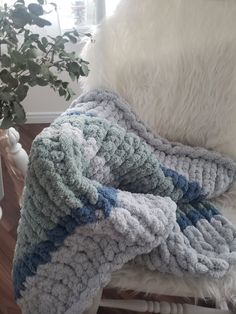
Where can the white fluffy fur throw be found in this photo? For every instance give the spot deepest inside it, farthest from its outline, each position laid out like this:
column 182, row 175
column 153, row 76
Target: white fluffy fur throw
column 175, row 62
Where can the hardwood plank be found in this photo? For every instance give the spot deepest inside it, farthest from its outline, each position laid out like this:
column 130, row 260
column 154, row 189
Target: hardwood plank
column 8, row 245
column 9, row 204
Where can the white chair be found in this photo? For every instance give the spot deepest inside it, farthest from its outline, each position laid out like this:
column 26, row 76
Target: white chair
column 15, row 151
column 14, row 155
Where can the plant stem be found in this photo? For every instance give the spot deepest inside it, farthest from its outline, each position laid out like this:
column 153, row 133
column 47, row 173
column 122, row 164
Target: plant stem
column 52, row 57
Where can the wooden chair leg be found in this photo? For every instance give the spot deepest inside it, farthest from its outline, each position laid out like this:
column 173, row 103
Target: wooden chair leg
column 160, row 307
column 16, row 152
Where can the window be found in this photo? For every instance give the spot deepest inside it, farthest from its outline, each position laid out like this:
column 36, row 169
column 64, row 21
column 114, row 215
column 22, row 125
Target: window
column 83, row 14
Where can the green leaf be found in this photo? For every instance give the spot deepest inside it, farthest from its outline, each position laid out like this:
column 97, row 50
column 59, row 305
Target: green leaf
column 21, row 92
column 34, row 37
column 41, row 82
column 85, row 62
column 25, row 79
column 5, row 89
column 7, row 96
column 57, row 83
column 21, row 17
column 65, row 84
column 41, row 22
column 52, row 79
column 72, row 76
column 34, row 67
column 18, row 58
column 60, row 42
column 45, row 71
column 6, row 76
column 70, row 93
column 6, row 61
column 31, row 53
column 18, row 4
column 62, row 91
column 26, row 34
column 41, row 46
column 68, row 97
column 75, row 32
column 67, row 56
column 72, row 38
column 33, row 82
column 13, row 82
column 66, row 33
column 35, row 9
column 8, row 79
column 85, row 69
column 73, row 67
column 19, row 113
column 44, row 41
column 6, row 122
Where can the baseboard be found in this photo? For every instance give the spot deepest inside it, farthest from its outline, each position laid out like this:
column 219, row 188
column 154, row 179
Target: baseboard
column 41, row 117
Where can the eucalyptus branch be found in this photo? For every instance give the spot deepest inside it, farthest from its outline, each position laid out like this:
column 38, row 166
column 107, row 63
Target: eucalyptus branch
column 37, row 62
column 52, row 57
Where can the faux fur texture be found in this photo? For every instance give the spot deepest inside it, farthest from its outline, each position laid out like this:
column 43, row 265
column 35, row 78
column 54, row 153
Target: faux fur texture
column 176, row 61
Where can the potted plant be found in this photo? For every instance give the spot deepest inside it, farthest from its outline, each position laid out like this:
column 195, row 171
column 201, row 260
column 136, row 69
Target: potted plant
column 28, row 59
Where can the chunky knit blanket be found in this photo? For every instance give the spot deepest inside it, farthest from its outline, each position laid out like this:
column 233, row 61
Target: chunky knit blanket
column 103, row 190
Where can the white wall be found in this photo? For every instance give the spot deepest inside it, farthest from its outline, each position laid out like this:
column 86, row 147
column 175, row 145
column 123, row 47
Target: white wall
column 43, row 104
column 41, row 100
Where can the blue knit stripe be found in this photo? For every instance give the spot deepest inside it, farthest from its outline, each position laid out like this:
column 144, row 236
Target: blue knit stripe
column 191, row 190
column 190, row 208
column 41, row 253
column 191, row 214
column 77, row 113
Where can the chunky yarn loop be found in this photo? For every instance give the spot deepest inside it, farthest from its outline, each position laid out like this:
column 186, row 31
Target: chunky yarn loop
column 101, row 191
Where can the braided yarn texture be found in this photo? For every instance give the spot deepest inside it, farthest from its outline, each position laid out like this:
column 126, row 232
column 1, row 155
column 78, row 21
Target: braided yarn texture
column 101, row 191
